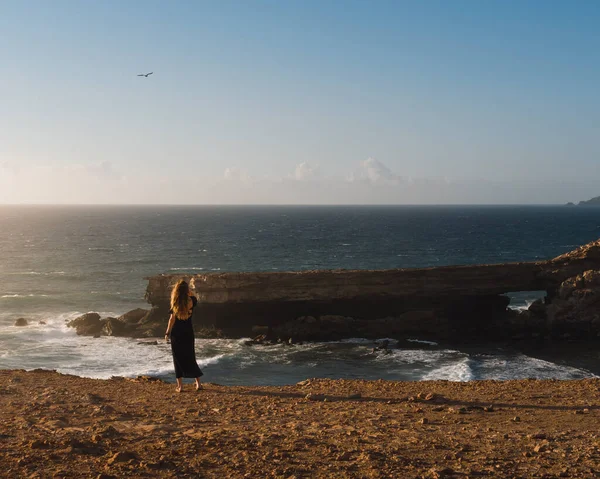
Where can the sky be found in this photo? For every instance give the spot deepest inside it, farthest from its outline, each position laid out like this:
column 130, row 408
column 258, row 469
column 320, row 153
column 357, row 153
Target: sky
column 308, row 102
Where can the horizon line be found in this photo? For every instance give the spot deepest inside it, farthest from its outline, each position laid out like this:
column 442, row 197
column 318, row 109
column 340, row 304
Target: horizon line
column 293, row 204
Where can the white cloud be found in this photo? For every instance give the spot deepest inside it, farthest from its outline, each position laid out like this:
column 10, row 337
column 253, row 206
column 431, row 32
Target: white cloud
column 304, row 171
column 371, row 183
column 74, row 183
column 7, row 167
column 102, row 169
column 237, row 174
column 375, row 172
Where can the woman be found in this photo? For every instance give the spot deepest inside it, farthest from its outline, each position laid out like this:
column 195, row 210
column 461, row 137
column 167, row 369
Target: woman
column 181, row 331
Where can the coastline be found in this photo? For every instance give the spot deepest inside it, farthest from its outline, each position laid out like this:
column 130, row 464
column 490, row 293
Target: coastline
column 55, row 425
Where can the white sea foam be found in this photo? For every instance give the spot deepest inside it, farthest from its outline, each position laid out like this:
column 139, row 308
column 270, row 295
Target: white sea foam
column 358, row 341
column 55, row 346
column 37, row 273
column 521, row 366
column 522, row 307
column 30, row 295
column 458, row 371
column 421, row 356
column 422, row 341
column 212, row 360
column 192, row 268
column 517, row 366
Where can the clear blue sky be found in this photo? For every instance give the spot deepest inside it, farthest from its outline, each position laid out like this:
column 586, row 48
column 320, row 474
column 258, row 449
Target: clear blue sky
column 299, row 101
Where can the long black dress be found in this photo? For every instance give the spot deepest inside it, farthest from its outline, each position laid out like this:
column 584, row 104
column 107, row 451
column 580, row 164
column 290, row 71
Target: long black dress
column 182, row 346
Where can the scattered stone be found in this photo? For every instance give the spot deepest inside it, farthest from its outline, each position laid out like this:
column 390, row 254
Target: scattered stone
column 345, row 456
column 21, row 322
column 149, row 379
column 516, row 419
column 121, row 457
column 56, row 423
column 252, row 431
column 460, row 410
column 92, row 398
column 315, row 397
column 542, row 447
column 426, row 396
column 108, row 432
column 39, row 444
column 440, row 473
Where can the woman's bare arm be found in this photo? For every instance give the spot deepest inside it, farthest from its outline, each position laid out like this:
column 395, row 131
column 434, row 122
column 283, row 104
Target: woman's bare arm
column 170, row 326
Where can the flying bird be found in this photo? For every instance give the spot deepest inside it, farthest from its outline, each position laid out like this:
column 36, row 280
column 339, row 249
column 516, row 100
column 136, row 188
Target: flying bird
column 145, row 74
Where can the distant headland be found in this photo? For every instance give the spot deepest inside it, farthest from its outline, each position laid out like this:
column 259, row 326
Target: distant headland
column 592, row 202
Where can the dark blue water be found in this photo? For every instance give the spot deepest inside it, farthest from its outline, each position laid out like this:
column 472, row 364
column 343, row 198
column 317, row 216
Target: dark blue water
column 97, row 257
column 56, row 262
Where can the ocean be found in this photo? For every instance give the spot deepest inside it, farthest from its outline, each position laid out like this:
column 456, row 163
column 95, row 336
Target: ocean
column 57, row 262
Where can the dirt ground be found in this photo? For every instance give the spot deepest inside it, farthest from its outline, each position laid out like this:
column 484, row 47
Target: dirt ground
column 53, row 425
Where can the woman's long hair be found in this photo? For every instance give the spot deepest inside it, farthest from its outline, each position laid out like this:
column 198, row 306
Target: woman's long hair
column 180, row 299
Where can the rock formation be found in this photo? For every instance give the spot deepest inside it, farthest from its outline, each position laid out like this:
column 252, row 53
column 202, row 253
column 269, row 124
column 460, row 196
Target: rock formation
column 574, row 311
column 591, row 202
column 88, row 324
column 450, row 302
column 444, row 302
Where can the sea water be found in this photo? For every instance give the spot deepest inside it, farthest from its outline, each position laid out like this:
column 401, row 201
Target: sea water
column 57, row 262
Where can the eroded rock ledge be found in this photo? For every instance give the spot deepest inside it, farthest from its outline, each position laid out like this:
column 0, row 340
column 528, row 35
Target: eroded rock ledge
column 449, row 302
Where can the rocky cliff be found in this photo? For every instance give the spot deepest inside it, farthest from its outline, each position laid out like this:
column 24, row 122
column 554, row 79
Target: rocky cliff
column 450, row 302
column 592, row 202
column 432, row 302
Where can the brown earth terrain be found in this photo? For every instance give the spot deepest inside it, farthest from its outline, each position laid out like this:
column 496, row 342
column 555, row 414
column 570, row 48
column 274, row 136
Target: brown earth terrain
column 54, row 425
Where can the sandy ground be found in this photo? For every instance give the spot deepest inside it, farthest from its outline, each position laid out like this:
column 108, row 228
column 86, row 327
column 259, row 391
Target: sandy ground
column 53, row 425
